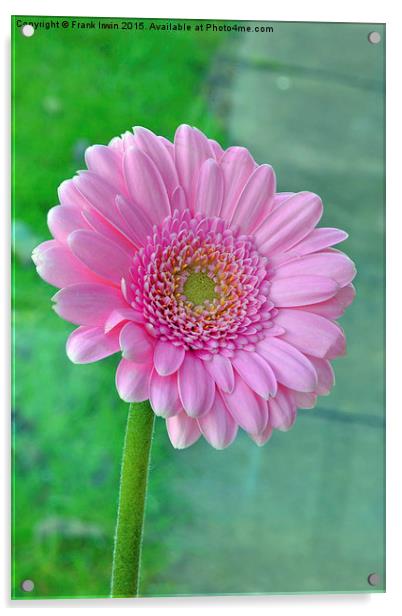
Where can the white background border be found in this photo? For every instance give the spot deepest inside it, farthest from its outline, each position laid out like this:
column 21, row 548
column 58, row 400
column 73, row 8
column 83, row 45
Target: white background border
column 306, row 10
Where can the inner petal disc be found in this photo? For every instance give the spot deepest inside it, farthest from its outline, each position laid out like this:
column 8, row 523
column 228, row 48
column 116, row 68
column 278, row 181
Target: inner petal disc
column 199, row 287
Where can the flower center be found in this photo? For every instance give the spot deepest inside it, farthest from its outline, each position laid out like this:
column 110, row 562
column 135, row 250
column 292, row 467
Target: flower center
column 202, row 285
column 199, row 287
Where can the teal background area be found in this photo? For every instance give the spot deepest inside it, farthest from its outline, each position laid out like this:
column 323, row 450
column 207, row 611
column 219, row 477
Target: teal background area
column 305, row 513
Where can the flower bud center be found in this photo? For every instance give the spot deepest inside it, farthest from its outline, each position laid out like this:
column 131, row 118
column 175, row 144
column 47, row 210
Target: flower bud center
column 199, row 287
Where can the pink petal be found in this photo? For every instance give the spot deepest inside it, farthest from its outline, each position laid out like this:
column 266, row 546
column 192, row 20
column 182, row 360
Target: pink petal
column 216, row 148
column 183, row 431
column 136, row 345
column 333, row 265
column 317, row 240
column 167, row 357
column 102, row 198
column 221, row 370
column 43, row 247
column 117, row 145
column 87, row 303
column 106, row 163
column 128, row 140
column 339, row 346
column 290, row 367
column 196, row 386
column 136, row 218
column 249, row 410
column 335, row 307
column 209, row 193
column 70, row 196
column 310, row 333
column 218, row 426
column 256, row 372
column 63, row 219
column 282, row 411
column 119, row 315
column 255, row 200
column 89, row 344
column 191, row 150
column 237, row 166
column 132, row 381
column 146, row 185
column 149, row 143
column 279, row 198
column 289, row 223
column 325, row 374
column 57, row 266
column 178, row 200
column 274, row 330
column 168, row 145
column 163, row 395
column 301, row 290
column 98, row 223
column 261, row 438
column 304, row 400
column 100, row 255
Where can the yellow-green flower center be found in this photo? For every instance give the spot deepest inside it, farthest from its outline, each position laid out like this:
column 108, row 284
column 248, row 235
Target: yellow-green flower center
column 199, row 287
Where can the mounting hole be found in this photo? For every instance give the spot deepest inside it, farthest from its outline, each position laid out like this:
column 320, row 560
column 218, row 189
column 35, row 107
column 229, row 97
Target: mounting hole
column 373, row 579
column 28, row 30
column 27, row 585
column 374, row 38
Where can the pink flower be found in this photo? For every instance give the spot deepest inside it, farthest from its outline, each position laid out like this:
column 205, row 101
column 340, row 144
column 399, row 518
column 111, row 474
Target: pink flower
column 219, row 292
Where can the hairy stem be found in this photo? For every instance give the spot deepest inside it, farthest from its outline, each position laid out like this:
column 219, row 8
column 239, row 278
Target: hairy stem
column 132, row 496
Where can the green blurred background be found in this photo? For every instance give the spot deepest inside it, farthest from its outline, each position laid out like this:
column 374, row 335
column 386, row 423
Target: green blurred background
column 305, row 513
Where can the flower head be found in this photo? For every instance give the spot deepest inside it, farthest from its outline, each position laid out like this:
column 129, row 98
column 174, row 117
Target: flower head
column 220, row 293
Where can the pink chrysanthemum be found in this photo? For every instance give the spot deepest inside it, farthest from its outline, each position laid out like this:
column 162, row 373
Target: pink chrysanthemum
column 219, row 292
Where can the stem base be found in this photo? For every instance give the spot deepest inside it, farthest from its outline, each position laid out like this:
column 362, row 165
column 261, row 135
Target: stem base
column 132, row 497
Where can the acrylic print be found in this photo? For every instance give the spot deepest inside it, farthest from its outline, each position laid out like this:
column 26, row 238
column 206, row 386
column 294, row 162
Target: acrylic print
column 198, row 214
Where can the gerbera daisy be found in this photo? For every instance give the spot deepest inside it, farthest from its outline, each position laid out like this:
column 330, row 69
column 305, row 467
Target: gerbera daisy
column 220, row 293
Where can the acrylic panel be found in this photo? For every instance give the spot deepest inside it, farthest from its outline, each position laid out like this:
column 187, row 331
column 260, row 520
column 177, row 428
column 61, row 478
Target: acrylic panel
column 226, row 316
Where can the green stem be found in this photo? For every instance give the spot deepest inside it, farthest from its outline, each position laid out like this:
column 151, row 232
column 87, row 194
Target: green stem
column 130, row 514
